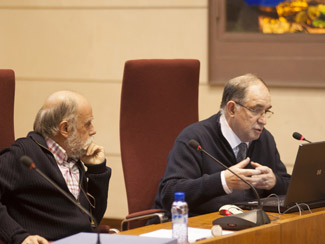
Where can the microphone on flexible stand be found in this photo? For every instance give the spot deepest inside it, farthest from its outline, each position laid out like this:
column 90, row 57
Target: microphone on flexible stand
column 28, row 162
column 299, row 137
column 255, row 217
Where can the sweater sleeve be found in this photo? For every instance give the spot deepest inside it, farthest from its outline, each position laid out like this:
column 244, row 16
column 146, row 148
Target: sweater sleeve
column 10, row 230
column 98, row 184
column 185, row 173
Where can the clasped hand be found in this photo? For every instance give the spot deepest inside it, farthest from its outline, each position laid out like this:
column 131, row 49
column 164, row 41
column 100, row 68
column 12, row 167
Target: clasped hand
column 261, row 177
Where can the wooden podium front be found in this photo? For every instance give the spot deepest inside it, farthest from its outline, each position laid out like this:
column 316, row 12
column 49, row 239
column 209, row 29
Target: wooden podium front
column 287, row 229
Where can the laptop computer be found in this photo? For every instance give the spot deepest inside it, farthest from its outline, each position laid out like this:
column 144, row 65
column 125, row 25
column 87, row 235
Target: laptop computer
column 307, row 184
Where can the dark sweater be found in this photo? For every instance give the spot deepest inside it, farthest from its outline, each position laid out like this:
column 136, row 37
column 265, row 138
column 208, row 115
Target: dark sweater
column 29, row 205
column 198, row 175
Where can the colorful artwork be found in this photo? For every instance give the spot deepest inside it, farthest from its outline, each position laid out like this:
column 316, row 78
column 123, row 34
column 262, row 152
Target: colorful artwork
column 278, row 17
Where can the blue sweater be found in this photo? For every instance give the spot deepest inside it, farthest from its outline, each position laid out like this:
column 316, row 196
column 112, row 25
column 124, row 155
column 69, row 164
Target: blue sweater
column 198, row 175
column 29, row 205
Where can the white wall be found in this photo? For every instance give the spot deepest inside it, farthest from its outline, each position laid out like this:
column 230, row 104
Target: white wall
column 83, row 45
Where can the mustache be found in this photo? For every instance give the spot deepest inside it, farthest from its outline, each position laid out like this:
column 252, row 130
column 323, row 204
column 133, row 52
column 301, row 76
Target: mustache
column 87, row 143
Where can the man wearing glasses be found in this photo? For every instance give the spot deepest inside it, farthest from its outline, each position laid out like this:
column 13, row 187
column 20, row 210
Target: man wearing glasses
column 235, row 136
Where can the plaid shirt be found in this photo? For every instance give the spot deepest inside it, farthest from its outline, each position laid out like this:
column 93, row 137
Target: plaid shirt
column 68, row 166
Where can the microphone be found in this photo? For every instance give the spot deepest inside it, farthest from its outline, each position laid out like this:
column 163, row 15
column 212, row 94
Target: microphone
column 255, row 217
column 299, row 137
column 28, row 162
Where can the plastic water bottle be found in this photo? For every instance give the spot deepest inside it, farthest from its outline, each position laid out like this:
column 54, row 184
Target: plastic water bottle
column 180, row 218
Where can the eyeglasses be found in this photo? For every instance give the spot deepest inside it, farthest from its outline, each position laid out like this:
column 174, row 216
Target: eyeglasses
column 257, row 112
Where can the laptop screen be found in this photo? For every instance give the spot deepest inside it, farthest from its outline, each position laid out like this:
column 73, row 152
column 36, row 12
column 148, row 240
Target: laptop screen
column 308, row 176
column 307, row 184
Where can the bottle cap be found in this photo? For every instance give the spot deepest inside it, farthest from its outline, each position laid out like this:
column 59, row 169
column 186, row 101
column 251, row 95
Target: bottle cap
column 216, row 230
column 179, row 196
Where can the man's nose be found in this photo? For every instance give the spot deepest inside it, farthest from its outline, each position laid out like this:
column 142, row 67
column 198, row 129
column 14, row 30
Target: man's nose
column 262, row 119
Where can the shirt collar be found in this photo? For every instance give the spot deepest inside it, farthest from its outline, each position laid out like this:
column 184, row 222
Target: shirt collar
column 228, row 133
column 59, row 153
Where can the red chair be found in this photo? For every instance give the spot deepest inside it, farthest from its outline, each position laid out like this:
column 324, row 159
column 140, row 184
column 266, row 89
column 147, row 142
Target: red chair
column 159, row 98
column 7, row 99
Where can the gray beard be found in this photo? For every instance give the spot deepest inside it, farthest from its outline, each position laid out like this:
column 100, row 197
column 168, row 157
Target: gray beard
column 76, row 148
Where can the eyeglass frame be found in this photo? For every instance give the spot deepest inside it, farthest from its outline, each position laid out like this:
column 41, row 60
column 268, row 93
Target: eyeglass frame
column 256, row 112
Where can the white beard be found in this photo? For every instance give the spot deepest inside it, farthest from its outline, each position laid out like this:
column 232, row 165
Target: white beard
column 77, row 148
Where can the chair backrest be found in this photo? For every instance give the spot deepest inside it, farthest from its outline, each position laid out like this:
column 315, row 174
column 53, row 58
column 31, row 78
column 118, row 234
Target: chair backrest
column 159, row 98
column 7, row 99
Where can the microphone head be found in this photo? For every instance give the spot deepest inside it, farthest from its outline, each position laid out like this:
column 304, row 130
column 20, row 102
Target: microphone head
column 27, row 161
column 194, row 144
column 297, row 136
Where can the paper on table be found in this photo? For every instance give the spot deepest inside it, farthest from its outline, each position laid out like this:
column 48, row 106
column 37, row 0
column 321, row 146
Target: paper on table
column 86, row 238
column 194, row 234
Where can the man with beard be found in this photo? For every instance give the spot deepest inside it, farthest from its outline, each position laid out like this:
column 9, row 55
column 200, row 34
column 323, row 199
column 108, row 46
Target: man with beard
column 61, row 146
column 235, row 136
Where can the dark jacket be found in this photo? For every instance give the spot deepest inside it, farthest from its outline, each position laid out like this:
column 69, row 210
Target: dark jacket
column 198, row 175
column 29, row 205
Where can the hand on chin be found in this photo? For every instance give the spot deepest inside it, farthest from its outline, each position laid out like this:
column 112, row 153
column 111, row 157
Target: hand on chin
column 93, row 155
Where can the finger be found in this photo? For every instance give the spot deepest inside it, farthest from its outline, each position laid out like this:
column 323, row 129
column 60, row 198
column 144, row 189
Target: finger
column 236, row 184
column 97, row 151
column 257, row 183
column 263, row 182
column 264, row 169
column 35, row 240
column 254, row 164
column 243, row 164
column 251, row 172
column 257, row 165
column 41, row 240
column 254, row 181
column 91, row 149
column 95, row 155
column 262, row 177
column 94, row 149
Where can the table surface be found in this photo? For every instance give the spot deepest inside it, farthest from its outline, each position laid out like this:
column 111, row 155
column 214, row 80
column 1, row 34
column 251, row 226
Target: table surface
column 286, row 228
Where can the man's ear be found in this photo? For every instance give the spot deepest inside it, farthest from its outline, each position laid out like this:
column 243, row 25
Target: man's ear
column 231, row 108
column 64, row 128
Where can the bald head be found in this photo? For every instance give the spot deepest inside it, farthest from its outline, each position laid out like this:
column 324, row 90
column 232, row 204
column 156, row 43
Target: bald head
column 59, row 106
column 62, row 97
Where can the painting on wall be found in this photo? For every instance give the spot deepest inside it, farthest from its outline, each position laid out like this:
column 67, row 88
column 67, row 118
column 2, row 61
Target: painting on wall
column 276, row 16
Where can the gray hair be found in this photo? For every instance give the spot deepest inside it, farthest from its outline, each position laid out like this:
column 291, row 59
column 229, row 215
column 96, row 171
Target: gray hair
column 48, row 119
column 236, row 88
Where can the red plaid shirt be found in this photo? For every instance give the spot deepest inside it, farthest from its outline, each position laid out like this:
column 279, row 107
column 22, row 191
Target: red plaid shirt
column 68, row 166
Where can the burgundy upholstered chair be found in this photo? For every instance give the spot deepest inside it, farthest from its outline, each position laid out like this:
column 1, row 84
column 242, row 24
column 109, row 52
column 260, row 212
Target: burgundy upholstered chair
column 7, row 99
column 159, row 98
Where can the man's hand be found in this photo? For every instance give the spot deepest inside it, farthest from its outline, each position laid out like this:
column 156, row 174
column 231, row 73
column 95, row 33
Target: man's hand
column 35, row 240
column 233, row 182
column 94, row 154
column 266, row 180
